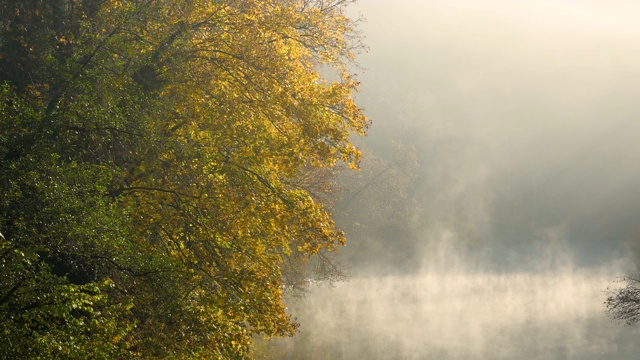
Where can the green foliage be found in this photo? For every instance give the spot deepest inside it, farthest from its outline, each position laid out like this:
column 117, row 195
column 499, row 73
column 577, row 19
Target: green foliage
column 151, row 163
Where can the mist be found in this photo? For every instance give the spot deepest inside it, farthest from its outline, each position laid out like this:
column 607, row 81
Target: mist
column 523, row 117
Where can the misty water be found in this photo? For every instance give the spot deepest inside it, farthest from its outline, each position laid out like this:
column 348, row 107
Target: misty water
column 524, row 120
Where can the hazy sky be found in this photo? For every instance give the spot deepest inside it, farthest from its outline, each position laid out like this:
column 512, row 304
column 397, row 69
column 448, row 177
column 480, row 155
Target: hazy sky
column 525, row 118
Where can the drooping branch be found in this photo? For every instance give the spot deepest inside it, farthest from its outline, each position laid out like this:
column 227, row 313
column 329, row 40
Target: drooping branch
column 132, row 189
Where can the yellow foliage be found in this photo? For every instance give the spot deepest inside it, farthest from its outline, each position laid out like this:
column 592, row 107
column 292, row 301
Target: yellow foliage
column 221, row 105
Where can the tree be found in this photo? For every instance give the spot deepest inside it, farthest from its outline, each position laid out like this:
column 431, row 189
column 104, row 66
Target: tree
column 151, row 157
column 623, row 304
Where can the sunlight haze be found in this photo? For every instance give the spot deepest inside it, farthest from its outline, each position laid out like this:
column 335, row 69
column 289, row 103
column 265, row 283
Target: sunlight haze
column 524, row 118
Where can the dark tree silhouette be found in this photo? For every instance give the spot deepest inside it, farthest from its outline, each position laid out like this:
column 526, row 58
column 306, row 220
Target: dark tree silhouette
column 623, row 304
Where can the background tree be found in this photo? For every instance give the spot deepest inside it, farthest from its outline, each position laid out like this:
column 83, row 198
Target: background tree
column 623, row 304
column 378, row 207
column 151, row 157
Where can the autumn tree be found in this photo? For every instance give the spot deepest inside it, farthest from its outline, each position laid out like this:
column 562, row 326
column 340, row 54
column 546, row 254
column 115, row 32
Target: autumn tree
column 153, row 161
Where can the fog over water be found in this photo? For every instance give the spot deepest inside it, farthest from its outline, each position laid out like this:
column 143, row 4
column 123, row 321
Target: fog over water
column 525, row 119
